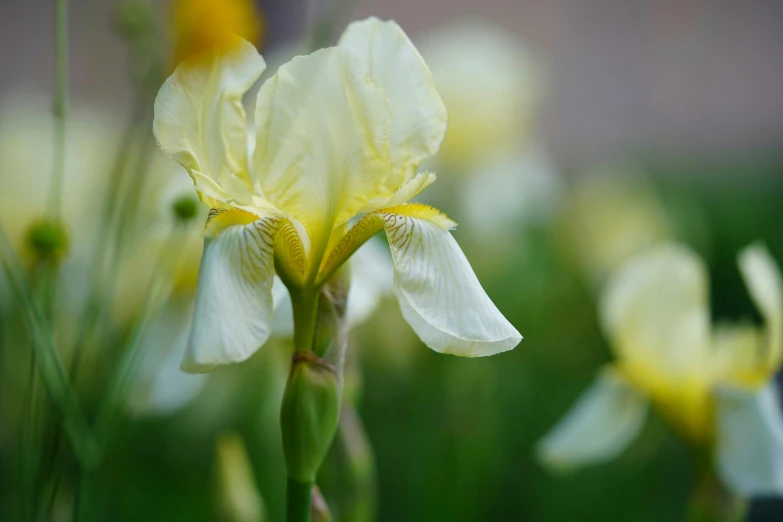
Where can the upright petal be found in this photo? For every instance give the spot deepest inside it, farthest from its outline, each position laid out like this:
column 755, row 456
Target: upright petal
column 750, row 440
column 199, row 118
column 602, row 423
column 438, row 292
column 762, row 277
column 418, row 120
column 234, row 305
column 655, row 311
column 322, row 145
column 492, row 88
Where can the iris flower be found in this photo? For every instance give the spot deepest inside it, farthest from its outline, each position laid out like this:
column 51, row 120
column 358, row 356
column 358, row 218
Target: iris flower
column 339, row 137
column 714, row 384
column 227, row 20
column 493, row 89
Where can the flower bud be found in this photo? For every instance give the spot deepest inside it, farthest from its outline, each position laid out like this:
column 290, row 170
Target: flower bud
column 135, row 19
column 48, row 240
column 309, row 415
column 185, row 208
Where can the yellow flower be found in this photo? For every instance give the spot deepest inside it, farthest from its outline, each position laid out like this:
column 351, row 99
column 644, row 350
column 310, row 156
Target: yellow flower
column 714, row 384
column 340, row 134
column 492, row 88
column 205, row 25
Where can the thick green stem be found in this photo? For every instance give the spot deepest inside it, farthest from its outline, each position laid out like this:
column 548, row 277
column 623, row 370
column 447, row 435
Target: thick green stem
column 304, row 303
column 60, row 106
column 298, row 501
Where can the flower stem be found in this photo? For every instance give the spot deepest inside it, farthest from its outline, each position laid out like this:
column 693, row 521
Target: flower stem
column 60, row 106
column 304, row 303
column 298, row 501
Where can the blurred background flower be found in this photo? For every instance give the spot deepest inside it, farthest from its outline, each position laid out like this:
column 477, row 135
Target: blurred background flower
column 581, row 135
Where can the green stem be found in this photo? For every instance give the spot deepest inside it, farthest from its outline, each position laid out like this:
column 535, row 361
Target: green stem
column 29, row 466
column 104, row 253
column 304, row 303
column 298, row 501
column 60, row 106
column 48, row 360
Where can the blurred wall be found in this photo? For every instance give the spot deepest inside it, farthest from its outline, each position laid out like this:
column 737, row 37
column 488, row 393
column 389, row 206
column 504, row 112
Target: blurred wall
column 675, row 77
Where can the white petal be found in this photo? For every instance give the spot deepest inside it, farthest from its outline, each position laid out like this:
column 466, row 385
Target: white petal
column 418, row 114
column 762, row 277
column 600, row 426
column 199, row 118
column 656, row 313
column 322, row 145
column 439, row 294
column 750, row 440
column 234, row 304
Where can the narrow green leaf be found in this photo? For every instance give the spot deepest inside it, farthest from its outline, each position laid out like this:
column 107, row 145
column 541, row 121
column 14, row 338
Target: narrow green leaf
column 48, row 360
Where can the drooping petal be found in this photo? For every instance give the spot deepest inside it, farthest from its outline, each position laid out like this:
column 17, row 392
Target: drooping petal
column 750, row 440
column 199, row 118
column 418, row 120
column 322, row 144
column 602, row 423
column 655, row 311
column 234, row 305
column 762, row 277
column 439, row 294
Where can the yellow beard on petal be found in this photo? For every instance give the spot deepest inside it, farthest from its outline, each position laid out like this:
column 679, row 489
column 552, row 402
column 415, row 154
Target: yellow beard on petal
column 421, row 211
column 220, row 219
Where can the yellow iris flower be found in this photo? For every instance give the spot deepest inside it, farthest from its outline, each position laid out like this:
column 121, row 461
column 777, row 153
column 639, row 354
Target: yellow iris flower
column 339, row 136
column 714, row 384
column 204, row 25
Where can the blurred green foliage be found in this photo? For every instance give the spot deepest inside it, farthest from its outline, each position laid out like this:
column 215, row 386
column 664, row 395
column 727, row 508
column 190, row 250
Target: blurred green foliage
column 453, row 438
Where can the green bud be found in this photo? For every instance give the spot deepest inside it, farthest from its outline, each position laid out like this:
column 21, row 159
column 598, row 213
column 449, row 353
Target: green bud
column 319, row 510
column 185, row 208
column 309, row 415
column 134, row 19
column 48, row 240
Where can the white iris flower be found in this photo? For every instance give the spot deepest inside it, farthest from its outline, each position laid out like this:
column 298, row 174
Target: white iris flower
column 714, row 384
column 340, row 134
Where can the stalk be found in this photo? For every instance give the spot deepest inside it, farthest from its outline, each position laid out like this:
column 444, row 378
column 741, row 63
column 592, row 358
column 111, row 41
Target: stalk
column 48, row 361
column 60, row 106
column 310, row 411
column 298, row 501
